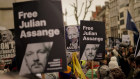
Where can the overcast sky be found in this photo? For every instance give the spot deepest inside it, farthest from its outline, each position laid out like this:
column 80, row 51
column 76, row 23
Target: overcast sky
column 66, row 4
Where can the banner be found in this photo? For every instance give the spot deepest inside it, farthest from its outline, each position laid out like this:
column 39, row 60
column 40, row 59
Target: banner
column 72, row 38
column 39, row 32
column 7, row 46
column 92, row 40
column 126, row 39
column 137, row 51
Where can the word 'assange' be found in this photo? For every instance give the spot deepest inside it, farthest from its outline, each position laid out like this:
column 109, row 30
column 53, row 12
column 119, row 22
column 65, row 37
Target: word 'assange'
column 37, row 33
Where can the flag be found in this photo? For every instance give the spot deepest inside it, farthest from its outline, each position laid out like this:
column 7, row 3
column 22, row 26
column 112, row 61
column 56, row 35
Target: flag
column 77, row 70
column 130, row 25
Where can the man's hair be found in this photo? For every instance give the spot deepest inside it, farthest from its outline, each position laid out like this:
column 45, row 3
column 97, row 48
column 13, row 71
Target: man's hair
column 9, row 34
column 131, row 58
column 72, row 27
column 117, row 73
column 137, row 60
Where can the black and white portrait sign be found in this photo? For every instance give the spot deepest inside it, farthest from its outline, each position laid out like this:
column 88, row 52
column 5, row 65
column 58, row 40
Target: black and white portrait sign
column 126, row 39
column 92, row 40
column 39, row 32
column 137, row 51
column 7, row 46
column 72, row 38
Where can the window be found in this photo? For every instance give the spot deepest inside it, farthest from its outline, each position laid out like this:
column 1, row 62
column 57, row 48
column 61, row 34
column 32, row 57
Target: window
column 122, row 22
column 125, row 33
column 137, row 12
column 121, row 15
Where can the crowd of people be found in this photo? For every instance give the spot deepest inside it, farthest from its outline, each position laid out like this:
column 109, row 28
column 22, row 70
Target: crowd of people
column 117, row 64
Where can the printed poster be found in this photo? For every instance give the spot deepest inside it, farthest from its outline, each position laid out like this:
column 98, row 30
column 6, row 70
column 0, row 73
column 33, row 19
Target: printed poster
column 92, row 40
column 126, row 39
column 39, row 32
column 7, row 46
column 72, row 38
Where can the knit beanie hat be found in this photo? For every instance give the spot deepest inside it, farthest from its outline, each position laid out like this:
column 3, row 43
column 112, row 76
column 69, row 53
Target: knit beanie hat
column 103, row 70
column 113, row 63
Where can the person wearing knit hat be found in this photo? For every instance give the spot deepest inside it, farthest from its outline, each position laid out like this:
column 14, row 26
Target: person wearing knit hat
column 113, row 63
column 104, row 72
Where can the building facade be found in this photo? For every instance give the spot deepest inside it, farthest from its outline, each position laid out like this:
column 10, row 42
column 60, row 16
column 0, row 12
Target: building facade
column 94, row 14
column 6, row 13
column 136, row 12
column 115, row 17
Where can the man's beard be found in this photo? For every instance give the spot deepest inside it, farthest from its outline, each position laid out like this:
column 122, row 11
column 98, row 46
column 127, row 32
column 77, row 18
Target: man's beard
column 37, row 67
column 90, row 56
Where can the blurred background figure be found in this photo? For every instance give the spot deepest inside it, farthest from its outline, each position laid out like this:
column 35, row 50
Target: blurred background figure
column 2, row 65
column 113, row 63
column 117, row 73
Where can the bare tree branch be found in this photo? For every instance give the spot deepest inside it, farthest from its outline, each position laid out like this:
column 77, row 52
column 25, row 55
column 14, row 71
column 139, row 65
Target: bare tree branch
column 81, row 9
column 77, row 14
column 87, row 8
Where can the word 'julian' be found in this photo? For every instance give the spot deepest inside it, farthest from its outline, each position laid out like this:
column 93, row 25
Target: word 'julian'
column 32, row 22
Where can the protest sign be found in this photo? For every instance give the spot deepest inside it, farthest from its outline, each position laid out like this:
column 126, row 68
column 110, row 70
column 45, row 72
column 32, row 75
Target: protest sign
column 72, row 38
column 39, row 32
column 92, row 40
column 7, row 46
